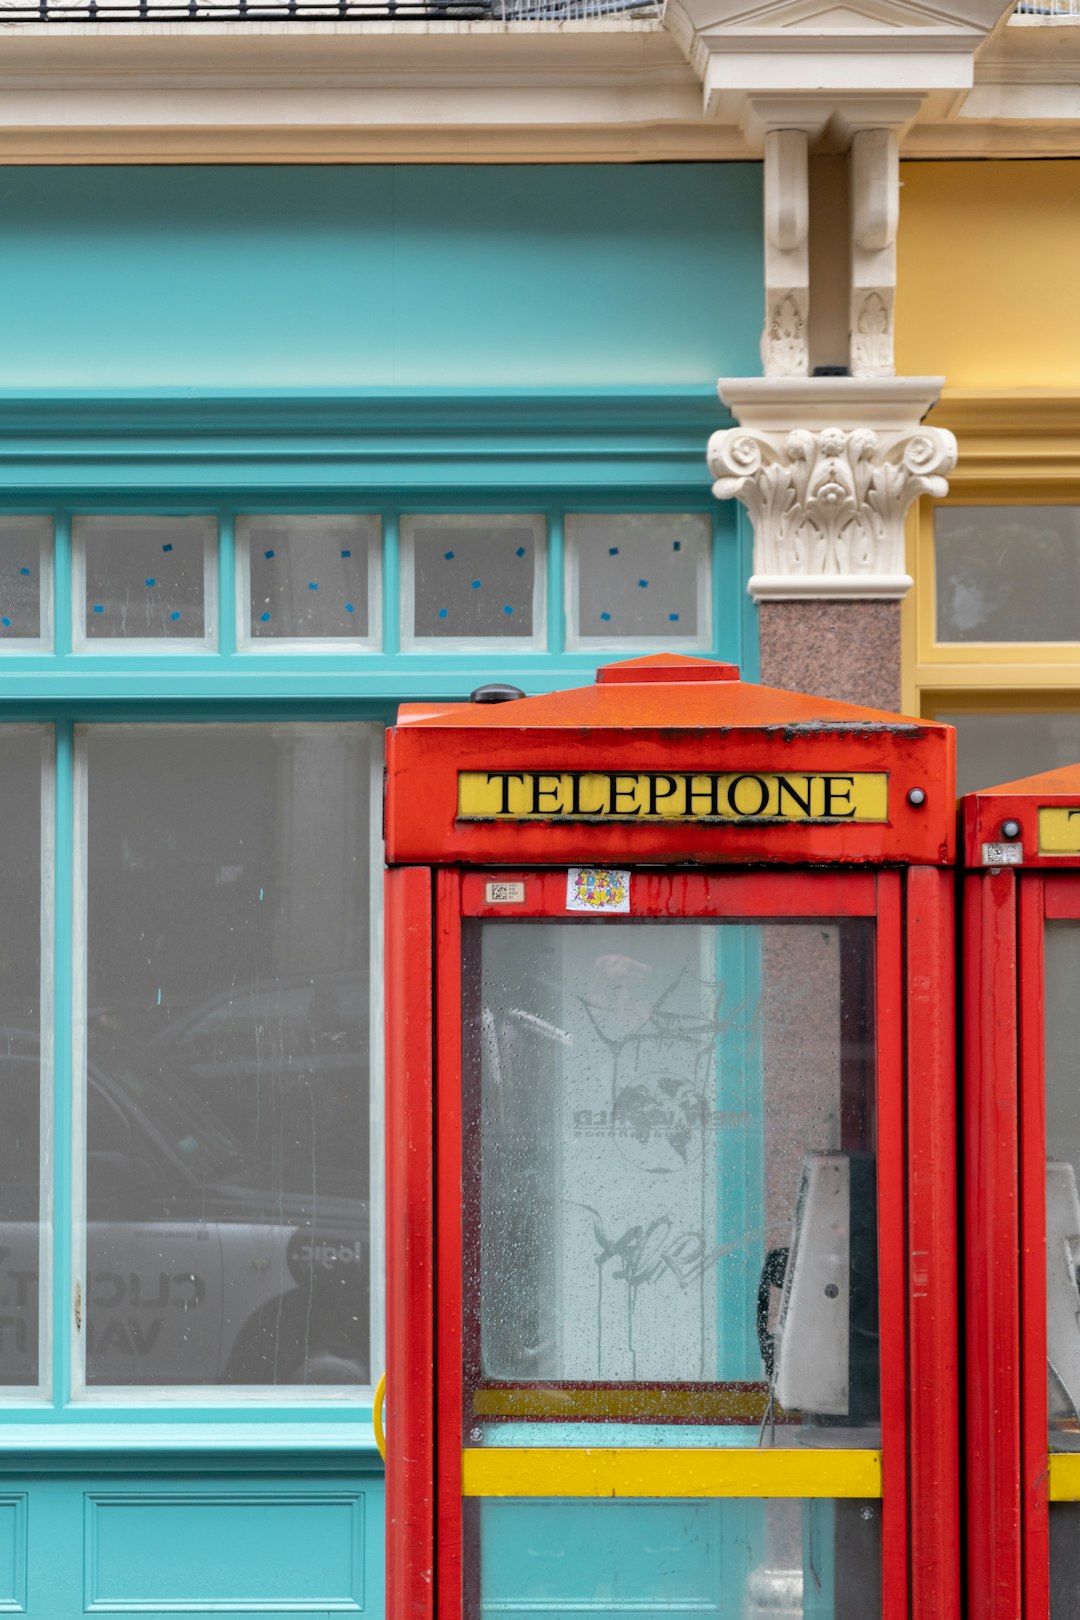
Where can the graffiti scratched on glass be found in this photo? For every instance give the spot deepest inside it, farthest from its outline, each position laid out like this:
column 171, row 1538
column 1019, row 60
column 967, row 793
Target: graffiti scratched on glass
column 626, row 1049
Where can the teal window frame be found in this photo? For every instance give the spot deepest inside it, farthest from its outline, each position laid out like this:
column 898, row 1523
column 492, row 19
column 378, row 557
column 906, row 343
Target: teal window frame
column 169, row 453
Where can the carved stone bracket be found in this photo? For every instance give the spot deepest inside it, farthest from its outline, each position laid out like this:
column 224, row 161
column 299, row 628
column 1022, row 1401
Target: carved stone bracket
column 828, row 501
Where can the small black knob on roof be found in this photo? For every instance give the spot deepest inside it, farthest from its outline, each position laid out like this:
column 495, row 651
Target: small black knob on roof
column 497, row 692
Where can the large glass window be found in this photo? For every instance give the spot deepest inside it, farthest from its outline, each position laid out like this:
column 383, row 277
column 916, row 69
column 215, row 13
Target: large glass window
column 227, row 1021
column 25, row 1044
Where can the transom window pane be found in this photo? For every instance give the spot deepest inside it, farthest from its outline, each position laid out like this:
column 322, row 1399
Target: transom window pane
column 25, row 579
column 639, row 577
column 472, row 578
column 310, row 577
column 23, row 1062
column 145, row 578
column 1003, row 747
column 228, row 890
column 1007, row 573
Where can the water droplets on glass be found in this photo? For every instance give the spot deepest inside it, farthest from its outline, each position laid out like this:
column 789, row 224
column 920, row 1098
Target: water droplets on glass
column 310, row 575
column 145, row 577
column 645, row 1097
column 473, row 577
column 638, row 577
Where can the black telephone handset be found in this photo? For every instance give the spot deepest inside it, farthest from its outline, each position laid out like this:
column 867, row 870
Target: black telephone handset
column 772, row 1276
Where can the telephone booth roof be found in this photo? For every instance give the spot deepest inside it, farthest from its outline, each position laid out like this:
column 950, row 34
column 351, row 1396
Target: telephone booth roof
column 1033, row 822
column 667, row 759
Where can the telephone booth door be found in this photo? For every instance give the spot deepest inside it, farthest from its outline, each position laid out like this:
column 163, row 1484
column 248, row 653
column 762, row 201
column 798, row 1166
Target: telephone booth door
column 1021, row 848
column 669, row 1183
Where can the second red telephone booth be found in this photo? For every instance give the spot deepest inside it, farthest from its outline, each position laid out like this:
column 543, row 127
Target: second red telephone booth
column 671, row 1130
column 1021, row 850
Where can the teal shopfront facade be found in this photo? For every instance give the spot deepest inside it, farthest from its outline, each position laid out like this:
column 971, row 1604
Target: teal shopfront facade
column 280, row 448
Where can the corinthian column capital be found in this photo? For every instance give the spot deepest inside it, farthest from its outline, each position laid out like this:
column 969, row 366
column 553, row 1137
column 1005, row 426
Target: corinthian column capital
column 827, row 469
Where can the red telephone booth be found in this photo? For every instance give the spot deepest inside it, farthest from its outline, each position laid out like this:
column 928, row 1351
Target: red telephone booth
column 671, row 1129
column 1021, row 849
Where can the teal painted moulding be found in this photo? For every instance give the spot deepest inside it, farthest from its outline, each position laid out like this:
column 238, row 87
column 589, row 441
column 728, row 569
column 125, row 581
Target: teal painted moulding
column 433, row 441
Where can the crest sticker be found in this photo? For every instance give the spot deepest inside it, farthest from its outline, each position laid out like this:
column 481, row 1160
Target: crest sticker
column 592, row 888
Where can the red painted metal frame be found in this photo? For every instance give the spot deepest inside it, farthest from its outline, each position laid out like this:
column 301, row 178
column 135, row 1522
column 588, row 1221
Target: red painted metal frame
column 916, row 1210
column 410, row 1183
column 665, row 714
column 983, row 813
column 709, row 894
column 1035, row 1492
column 932, row 1210
column 892, row 1248
column 449, row 1380
column 1042, row 898
column 992, row 1245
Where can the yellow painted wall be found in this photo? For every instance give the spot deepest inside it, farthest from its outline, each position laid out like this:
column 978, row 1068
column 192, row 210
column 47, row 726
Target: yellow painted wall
column 988, row 258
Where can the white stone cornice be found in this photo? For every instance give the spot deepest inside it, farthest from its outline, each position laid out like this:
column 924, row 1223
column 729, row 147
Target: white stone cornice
column 618, row 89
column 833, row 50
column 827, row 468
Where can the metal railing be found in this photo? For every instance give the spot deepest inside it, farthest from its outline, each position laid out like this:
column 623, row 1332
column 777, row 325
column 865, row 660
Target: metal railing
column 309, row 11
column 1061, row 10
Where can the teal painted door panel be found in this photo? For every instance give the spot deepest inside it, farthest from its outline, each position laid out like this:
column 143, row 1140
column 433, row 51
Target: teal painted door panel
column 244, row 1544
column 285, row 276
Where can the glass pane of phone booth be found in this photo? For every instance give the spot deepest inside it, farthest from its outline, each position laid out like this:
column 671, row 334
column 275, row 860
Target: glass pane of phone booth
column 670, row 1240
column 1062, row 976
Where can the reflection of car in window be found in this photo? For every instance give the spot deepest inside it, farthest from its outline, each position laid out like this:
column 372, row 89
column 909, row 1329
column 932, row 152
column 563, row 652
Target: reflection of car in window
column 284, row 1064
column 209, row 1259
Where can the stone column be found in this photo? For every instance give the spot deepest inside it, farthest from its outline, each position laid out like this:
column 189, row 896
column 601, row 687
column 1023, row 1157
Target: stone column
column 827, row 468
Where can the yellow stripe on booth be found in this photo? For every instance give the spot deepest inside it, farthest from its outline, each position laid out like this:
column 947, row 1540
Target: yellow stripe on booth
column 668, row 1472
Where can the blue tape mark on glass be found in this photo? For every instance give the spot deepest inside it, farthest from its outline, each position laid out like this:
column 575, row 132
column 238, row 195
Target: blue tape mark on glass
column 613, row 551
column 508, row 609
column 151, row 581
column 264, row 618
column 442, row 613
column 346, row 553
column 643, row 583
column 25, row 572
column 167, row 547
column 676, row 545
column 476, row 584
column 349, row 608
column 448, row 555
column 98, row 608
column 674, row 617
column 6, row 622
column 313, row 584
column 605, row 615
column 174, row 615
column 268, row 555
column 520, row 552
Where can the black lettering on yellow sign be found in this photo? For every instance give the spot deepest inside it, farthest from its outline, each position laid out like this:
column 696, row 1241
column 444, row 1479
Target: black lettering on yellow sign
column 766, row 796
column 1059, row 830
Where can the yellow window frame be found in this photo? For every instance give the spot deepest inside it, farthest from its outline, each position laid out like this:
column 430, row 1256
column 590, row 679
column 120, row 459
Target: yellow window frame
column 1017, row 448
